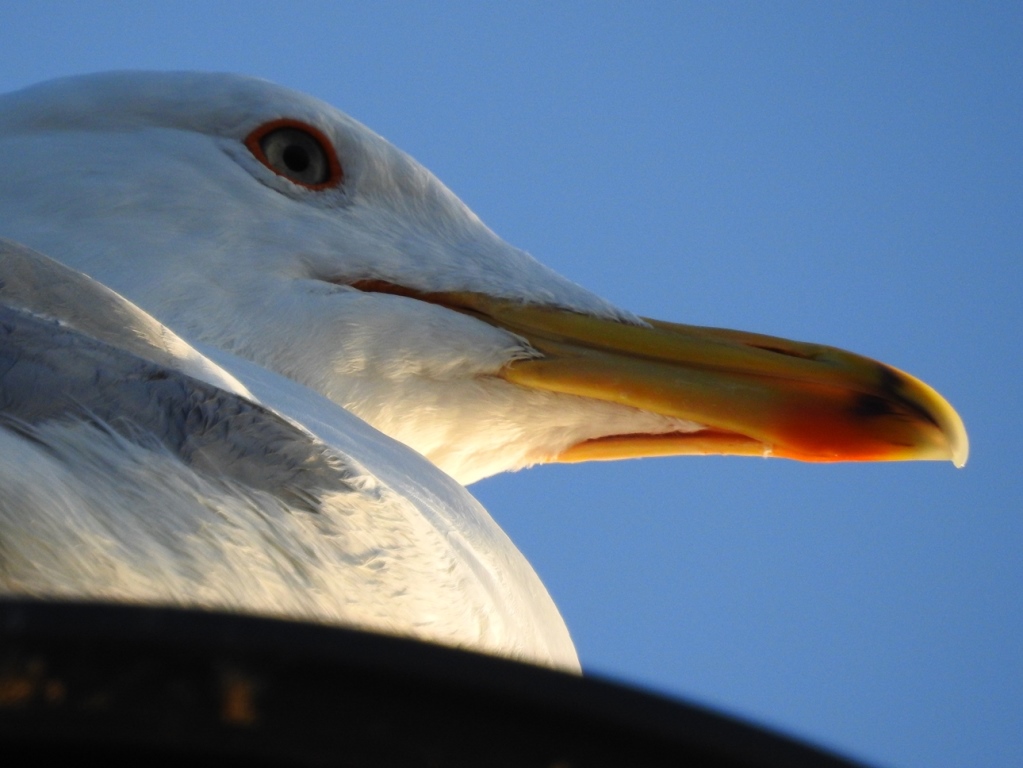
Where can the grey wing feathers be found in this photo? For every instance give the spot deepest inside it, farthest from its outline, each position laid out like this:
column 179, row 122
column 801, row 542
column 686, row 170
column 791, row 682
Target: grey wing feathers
column 51, row 371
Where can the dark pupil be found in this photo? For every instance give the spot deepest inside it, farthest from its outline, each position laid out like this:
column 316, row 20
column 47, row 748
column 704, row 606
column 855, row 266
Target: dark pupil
column 296, row 158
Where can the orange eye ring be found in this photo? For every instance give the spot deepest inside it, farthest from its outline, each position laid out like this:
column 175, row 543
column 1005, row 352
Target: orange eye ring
column 310, row 137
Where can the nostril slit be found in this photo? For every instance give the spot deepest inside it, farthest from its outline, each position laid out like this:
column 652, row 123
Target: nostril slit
column 780, row 351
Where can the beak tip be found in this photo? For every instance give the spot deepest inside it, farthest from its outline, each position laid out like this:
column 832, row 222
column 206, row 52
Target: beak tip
column 950, row 424
column 959, row 443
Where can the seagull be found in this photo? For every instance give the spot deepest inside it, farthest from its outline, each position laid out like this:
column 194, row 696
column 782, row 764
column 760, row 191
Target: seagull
column 252, row 353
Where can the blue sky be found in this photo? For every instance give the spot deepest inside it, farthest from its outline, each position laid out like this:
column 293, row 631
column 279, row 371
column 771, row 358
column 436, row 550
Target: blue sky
column 844, row 173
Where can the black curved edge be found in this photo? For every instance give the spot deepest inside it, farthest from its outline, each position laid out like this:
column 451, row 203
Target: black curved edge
column 167, row 686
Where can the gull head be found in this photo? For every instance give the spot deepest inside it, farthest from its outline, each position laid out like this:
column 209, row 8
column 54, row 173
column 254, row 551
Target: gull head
column 267, row 223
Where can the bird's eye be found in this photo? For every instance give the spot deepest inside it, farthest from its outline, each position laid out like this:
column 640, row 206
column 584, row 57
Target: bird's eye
column 296, row 151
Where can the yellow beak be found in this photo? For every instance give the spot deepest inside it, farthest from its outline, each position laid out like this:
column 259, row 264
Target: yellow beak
column 754, row 394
